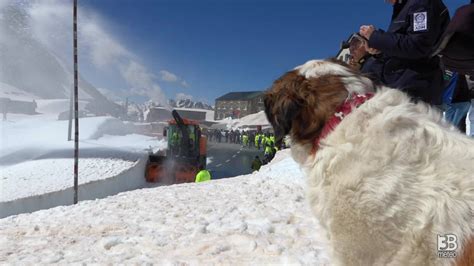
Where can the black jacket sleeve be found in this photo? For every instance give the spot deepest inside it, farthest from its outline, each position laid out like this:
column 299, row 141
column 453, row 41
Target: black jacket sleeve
column 410, row 44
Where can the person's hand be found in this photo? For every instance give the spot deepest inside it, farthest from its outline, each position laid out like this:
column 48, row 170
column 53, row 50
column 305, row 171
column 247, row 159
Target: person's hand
column 366, row 31
column 369, row 50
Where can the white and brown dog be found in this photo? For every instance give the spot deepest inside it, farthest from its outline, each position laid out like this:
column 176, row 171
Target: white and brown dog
column 387, row 179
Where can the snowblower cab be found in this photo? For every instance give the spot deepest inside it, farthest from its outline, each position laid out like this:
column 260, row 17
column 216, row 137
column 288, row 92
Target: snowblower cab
column 185, row 153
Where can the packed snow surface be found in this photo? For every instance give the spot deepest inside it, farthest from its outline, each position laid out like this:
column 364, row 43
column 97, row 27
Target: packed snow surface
column 36, row 158
column 261, row 218
column 43, row 176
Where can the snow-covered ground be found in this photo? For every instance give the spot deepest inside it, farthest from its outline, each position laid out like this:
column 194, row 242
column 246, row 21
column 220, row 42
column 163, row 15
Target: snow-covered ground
column 36, row 158
column 44, row 176
column 261, row 218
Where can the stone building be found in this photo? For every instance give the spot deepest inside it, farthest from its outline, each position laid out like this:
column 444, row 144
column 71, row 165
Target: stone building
column 238, row 104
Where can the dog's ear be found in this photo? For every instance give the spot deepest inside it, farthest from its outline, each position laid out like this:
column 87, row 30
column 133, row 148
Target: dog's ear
column 281, row 114
column 282, row 104
column 299, row 106
column 321, row 97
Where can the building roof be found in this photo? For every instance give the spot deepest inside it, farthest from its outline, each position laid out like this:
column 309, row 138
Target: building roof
column 241, row 95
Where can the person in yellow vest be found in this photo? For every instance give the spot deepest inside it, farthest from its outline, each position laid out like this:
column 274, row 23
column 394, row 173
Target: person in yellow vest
column 174, row 138
column 257, row 141
column 272, row 138
column 192, row 137
column 263, row 141
column 203, row 175
column 245, row 140
column 268, row 148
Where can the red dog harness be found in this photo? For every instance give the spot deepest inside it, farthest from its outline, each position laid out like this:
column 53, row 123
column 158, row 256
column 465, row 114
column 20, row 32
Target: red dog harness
column 342, row 111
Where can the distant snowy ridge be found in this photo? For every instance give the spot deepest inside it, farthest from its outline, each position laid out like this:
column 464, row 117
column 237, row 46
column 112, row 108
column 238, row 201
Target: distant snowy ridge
column 190, row 104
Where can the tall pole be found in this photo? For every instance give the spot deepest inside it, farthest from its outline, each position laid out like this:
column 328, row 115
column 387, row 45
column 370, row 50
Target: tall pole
column 76, row 108
column 71, row 110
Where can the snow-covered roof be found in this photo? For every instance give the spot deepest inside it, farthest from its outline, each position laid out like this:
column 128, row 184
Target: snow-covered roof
column 240, row 95
column 249, row 121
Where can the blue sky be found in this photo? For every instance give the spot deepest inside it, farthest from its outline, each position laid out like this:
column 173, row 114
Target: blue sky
column 222, row 46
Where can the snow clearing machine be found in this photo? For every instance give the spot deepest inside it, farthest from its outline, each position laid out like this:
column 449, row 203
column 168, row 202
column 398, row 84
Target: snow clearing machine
column 185, row 153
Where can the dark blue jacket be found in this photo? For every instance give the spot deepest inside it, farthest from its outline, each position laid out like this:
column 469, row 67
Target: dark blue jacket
column 405, row 62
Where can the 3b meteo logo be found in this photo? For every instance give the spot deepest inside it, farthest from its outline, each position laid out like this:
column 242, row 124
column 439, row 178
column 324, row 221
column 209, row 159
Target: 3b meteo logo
column 447, row 245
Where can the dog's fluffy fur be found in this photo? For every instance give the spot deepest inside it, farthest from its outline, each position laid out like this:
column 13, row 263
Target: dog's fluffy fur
column 390, row 177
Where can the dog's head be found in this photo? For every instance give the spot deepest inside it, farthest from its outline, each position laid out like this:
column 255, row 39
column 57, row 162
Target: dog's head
column 301, row 101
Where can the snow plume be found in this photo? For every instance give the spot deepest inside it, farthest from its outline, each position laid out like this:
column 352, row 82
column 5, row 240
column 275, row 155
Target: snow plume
column 168, row 76
column 50, row 22
column 142, row 82
column 3, row 3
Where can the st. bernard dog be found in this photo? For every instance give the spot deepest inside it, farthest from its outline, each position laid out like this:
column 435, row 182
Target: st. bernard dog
column 390, row 182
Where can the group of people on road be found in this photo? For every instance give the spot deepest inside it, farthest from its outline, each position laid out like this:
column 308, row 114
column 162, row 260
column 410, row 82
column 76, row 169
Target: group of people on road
column 266, row 143
column 262, row 141
column 230, row 136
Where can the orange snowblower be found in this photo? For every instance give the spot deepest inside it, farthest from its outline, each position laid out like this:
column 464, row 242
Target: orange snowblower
column 185, row 153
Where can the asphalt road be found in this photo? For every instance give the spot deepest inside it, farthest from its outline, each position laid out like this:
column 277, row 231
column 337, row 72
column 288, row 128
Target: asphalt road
column 229, row 160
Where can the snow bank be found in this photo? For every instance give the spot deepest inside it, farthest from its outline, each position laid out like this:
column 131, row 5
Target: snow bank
column 37, row 159
column 56, row 106
column 254, row 219
column 51, row 169
column 280, row 164
column 89, row 188
column 35, row 137
column 44, row 176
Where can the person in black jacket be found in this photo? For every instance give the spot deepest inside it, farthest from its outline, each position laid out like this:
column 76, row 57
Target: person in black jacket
column 402, row 54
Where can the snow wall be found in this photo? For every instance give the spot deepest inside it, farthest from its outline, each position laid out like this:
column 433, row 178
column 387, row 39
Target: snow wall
column 130, row 179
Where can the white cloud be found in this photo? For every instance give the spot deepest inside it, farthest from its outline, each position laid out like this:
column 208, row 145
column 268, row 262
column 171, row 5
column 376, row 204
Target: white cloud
column 182, row 96
column 168, row 76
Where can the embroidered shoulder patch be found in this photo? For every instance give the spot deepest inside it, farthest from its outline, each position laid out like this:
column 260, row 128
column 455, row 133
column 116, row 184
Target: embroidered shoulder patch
column 420, row 21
